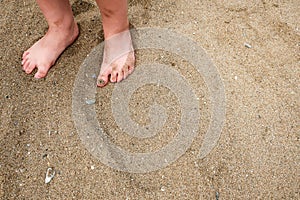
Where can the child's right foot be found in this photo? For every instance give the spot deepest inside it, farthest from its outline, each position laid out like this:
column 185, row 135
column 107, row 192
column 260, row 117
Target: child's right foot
column 118, row 58
column 44, row 53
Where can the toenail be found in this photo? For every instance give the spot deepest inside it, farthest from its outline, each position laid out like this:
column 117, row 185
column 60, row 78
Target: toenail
column 100, row 81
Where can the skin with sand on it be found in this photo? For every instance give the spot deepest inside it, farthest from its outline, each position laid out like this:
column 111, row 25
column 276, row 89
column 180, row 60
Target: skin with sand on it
column 63, row 30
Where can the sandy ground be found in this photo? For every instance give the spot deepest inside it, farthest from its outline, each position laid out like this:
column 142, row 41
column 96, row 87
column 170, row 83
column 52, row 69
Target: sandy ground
column 257, row 156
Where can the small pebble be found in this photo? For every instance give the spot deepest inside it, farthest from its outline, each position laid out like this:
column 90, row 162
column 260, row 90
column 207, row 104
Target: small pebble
column 50, row 132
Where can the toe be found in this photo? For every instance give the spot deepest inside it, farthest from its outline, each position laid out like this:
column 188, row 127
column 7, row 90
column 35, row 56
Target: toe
column 26, row 64
column 25, row 54
column 29, row 68
column 113, row 76
column 120, row 76
column 125, row 72
column 102, row 79
column 130, row 69
column 42, row 72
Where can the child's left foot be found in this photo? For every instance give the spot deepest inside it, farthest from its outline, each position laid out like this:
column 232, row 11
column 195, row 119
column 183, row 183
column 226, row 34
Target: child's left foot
column 44, row 53
column 118, row 59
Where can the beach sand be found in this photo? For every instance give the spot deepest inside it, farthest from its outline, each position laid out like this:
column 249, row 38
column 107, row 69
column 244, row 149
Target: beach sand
column 257, row 155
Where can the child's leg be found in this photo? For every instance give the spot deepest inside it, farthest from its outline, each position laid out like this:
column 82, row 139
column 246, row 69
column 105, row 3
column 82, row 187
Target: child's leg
column 62, row 32
column 118, row 44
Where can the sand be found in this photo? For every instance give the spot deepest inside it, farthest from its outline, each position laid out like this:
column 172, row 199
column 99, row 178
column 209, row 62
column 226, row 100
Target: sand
column 257, row 155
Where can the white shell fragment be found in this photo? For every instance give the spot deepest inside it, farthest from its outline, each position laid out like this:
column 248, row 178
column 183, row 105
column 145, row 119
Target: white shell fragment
column 49, row 175
column 90, row 101
column 248, row 45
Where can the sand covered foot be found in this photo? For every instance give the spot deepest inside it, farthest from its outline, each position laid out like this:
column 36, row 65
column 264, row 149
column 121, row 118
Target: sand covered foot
column 44, row 53
column 118, row 59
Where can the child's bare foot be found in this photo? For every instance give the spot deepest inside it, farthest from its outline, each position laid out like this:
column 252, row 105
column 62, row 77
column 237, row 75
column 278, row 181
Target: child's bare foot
column 118, row 59
column 43, row 54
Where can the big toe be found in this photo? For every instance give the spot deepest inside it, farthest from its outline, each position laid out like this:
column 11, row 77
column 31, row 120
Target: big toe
column 103, row 77
column 102, row 81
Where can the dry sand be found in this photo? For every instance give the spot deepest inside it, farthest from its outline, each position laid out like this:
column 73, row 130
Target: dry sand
column 257, row 156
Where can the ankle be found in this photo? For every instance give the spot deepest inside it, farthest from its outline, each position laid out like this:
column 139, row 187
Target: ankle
column 63, row 26
column 111, row 30
column 68, row 32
